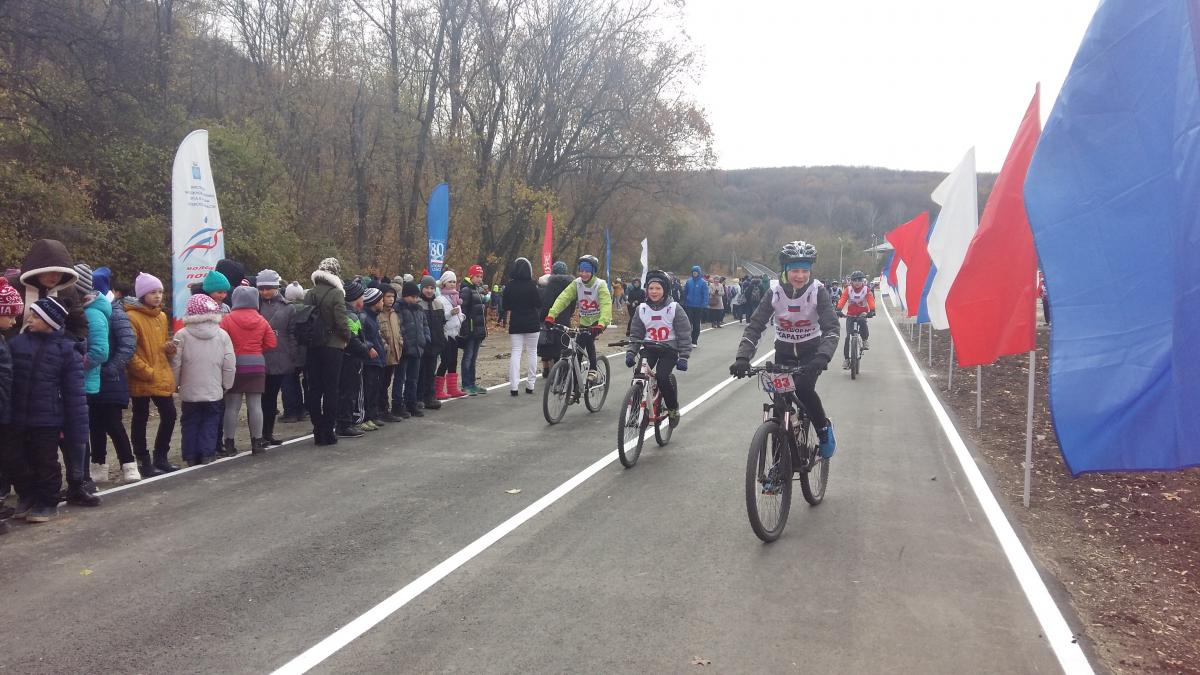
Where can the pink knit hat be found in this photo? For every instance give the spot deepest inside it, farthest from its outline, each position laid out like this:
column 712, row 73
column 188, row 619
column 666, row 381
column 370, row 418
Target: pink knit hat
column 202, row 304
column 146, row 283
column 10, row 300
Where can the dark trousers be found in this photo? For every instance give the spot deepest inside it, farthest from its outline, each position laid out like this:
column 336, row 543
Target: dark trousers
column 350, row 388
column 470, row 354
column 862, row 330
column 29, row 456
column 806, row 385
column 373, row 394
column 199, row 428
column 588, row 342
column 696, row 316
column 105, row 422
column 428, row 370
column 293, row 395
column 409, row 372
column 166, row 426
column 75, row 459
column 449, row 362
column 663, row 365
column 322, row 374
column 270, row 400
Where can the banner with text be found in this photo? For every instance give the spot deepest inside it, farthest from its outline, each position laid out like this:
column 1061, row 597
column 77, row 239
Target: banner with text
column 197, row 238
column 437, row 220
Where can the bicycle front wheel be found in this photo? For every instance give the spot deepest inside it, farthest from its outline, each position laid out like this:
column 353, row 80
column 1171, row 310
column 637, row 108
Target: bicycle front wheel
column 855, row 355
column 814, row 478
column 557, row 394
column 768, row 481
column 596, row 393
column 630, row 425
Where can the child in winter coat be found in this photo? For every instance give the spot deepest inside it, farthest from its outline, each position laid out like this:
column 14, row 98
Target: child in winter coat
column 47, row 400
column 11, row 307
column 107, row 407
column 98, row 310
column 446, row 382
column 281, row 361
column 393, row 342
column 374, row 367
column 416, row 338
column 355, row 354
column 436, row 324
column 251, row 336
column 204, row 365
column 149, row 371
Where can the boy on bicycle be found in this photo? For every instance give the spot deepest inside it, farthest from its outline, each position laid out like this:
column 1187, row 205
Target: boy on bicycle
column 857, row 304
column 661, row 321
column 595, row 307
column 806, row 331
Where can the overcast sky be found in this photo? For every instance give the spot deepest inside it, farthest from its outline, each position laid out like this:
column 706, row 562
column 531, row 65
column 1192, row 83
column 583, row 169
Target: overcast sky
column 904, row 84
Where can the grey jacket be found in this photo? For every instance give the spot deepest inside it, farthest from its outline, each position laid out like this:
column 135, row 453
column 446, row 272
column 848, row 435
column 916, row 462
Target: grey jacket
column 280, row 313
column 204, row 364
column 824, row 345
column 682, row 328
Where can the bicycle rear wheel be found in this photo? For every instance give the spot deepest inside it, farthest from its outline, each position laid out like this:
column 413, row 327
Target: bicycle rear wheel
column 768, row 481
column 662, row 426
column 813, row 479
column 557, row 395
column 855, row 355
column 595, row 394
column 630, row 425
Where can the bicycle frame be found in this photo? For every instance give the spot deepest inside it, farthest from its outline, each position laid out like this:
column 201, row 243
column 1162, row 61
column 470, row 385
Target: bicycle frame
column 787, row 410
column 575, row 355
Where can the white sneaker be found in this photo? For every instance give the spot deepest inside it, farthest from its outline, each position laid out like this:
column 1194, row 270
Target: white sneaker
column 130, row 472
column 99, row 473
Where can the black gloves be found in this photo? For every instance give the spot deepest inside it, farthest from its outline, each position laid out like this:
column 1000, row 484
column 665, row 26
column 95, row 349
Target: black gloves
column 871, row 314
column 740, row 368
column 630, row 359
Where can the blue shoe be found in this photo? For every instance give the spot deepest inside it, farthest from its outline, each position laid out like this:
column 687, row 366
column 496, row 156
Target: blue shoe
column 828, row 444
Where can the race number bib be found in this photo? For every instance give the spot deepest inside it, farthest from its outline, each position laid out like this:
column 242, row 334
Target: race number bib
column 589, row 300
column 796, row 319
column 659, row 323
column 778, row 383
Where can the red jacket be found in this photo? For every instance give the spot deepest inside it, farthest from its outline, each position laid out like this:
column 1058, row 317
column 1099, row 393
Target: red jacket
column 856, row 310
column 249, row 331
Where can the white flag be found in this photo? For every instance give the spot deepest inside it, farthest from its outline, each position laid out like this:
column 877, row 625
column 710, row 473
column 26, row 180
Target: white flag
column 958, row 196
column 197, row 238
column 902, row 281
column 645, row 262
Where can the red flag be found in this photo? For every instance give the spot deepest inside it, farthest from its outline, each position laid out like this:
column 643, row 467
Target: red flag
column 548, row 246
column 991, row 305
column 909, row 242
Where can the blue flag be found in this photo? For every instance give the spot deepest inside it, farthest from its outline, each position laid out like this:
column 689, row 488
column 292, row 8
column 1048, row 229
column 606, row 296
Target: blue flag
column 437, row 220
column 1113, row 197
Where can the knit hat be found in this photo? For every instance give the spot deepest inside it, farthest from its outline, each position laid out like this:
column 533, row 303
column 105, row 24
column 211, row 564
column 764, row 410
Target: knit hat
column 202, row 304
column 559, row 267
column 354, row 291
column 428, row 282
column 475, row 270
column 215, row 282
column 84, row 281
column 245, row 297
column 268, row 279
column 398, row 279
column 371, row 296
column 51, row 312
column 447, row 276
column 145, row 284
column 102, row 280
column 410, row 290
column 331, row 265
column 408, row 278
column 294, row 292
column 10, row 300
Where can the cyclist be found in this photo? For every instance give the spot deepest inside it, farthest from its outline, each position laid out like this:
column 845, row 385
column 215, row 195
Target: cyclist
column 857, row 303
column 595, row 306
column 661, row 320
column 806, row 331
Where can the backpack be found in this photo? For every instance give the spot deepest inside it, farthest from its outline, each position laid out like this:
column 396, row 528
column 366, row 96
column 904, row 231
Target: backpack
column 309, row 329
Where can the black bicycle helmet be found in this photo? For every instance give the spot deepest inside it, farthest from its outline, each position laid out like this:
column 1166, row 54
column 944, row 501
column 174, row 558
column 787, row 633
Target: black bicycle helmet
column 591, row 259
column 660, row 277
column 796, row 251
column 857, row 276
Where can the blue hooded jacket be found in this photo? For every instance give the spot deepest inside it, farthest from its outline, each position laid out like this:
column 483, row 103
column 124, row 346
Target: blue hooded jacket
column 695, row 291
column 122, row 343
column 98, row 312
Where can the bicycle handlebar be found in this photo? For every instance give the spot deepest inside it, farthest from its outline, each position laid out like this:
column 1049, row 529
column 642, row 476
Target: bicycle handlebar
column 643, row 343
column 769, row 367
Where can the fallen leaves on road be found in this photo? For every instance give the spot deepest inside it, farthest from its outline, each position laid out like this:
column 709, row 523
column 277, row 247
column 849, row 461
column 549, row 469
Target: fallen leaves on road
column 514, row 491
column 698, row 661
column 85, row 572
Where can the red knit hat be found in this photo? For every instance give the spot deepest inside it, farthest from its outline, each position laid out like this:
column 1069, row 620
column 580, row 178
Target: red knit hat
column 10, row 300
column 474, row 271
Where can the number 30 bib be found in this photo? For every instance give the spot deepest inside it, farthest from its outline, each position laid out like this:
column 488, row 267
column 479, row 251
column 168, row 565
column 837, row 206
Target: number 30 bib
column 659, row 323
column 796, row 319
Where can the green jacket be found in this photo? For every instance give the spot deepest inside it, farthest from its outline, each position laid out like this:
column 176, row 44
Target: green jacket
column 587, row 315
column 330, row 299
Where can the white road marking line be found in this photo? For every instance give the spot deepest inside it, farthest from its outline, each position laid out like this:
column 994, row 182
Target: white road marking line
column 1058, row 633
column 241, row 455
column 372, row 617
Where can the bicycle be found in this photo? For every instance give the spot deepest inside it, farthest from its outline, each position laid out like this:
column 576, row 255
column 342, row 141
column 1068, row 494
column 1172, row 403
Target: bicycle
column 783, row 449
column 643, row 405
column 855, row 338
column 568, row 378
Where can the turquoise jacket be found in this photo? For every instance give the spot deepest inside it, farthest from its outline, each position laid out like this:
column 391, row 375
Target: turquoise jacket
column 97, row 312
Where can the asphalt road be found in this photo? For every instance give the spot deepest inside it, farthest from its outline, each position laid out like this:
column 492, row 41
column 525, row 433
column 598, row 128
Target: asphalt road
column 245, row 565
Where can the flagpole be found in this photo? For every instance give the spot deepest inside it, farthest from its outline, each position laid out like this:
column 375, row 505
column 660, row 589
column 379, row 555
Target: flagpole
column 1029, row 429
column 950, row 378
column 978, row 397
column 920, row 336
column 931, row 344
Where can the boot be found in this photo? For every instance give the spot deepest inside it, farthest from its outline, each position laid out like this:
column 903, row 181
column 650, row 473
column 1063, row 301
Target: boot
column 269, row 433
column 77, row 496
column 229, row 449
column 258, row 446
column 431, row 403
column 414, row 411
column 439, row 388
column 99, row 473
column 401, row 412
column 452, row 386
column 390, row 417
column 162, row 464
column 146, row 467
column 130, row 473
